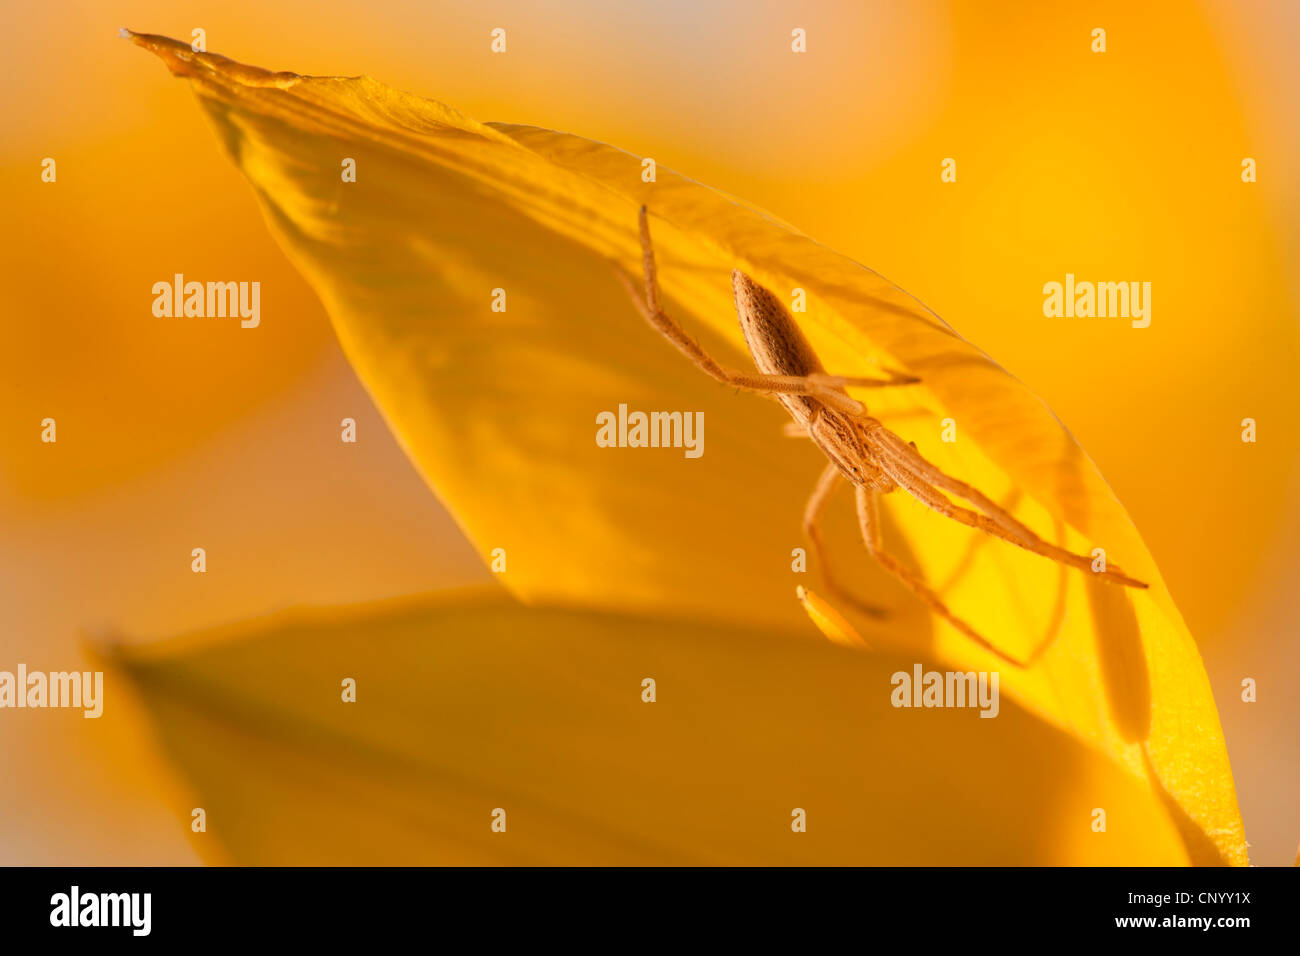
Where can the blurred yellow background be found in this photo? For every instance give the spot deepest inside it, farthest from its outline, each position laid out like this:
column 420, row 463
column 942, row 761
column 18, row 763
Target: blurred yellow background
column 171, row 432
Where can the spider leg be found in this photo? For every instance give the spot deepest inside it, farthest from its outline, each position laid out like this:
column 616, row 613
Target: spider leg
column 868, row 503
column 906, row 466
column 906, row 453
column 938, row 502
column 854, row 381
column 826, row 388
column 758, row 382
column 826, row 485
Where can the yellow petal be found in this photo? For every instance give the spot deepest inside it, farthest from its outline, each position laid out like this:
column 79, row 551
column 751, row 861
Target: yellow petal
column 498, row 409
column 467, row 705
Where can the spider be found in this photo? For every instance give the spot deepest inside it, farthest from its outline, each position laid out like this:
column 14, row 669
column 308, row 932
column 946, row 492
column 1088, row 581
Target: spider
column 859, row 448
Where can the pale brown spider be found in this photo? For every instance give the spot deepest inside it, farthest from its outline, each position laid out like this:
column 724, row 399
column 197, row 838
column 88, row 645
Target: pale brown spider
column 861, row 449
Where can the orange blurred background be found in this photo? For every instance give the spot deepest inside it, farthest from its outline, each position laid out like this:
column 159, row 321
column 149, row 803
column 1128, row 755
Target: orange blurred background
column 1122, row 165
